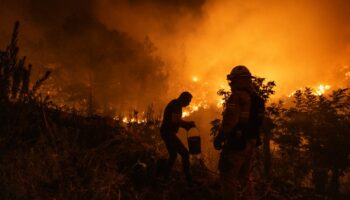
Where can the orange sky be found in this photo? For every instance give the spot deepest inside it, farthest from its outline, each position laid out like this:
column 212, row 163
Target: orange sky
column 295, row 43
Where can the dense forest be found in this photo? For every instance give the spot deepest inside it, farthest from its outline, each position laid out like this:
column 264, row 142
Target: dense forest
column 52, row 152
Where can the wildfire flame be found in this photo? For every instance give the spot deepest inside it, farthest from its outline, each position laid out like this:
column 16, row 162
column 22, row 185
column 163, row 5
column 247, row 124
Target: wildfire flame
column 220, row 103
column 320, row 90
column 127, row 120
column 185, row 114
column 347, row 75
column 203, row 104
column 193, row 107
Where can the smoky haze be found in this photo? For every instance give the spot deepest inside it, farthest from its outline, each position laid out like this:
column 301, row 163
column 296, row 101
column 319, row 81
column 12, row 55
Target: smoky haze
column 130, row 53
column 87, row 58
column 295, row 43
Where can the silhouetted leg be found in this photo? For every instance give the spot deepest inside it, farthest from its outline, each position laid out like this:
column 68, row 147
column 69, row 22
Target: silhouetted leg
column 181, row 149
column 229, row 178
column 171, row 147
column 246, row 169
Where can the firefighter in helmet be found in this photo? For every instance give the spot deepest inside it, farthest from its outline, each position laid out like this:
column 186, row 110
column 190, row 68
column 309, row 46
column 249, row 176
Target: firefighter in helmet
column 239, row 132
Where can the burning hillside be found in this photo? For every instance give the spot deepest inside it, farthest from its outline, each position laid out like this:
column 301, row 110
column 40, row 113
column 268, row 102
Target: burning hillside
column 123, row 55
column 81, row 115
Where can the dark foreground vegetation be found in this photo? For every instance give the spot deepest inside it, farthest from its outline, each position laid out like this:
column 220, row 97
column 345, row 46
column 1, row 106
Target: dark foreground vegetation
column 47, row 152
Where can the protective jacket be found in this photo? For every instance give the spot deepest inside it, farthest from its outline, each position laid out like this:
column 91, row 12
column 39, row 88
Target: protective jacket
column 243, row 119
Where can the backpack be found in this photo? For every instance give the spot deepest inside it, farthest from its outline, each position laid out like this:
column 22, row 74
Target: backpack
column 237, row 138
column 256, row 116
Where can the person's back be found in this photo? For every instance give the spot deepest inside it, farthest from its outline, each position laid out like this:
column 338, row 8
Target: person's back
column 168, row 126
column 256, row 117
column 236, row 118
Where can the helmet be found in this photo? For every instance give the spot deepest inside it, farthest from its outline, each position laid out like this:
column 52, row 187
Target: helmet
column 239, row 71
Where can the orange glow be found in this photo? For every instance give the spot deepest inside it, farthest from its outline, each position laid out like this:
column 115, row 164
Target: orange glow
column 319, row 90
column 293, row 43
column 185, row 114
column 347, row 75
column 322, row 89
column 125, row 120
column 194, row 107
column 220, row 103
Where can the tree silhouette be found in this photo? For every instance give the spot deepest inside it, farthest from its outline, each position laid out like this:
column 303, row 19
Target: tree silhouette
column 14, row 75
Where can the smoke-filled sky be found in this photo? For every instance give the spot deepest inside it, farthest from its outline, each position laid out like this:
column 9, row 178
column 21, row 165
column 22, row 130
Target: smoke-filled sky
column 135, row 52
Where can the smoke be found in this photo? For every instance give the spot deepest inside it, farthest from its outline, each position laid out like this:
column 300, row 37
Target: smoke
column 87, row 58
column 130, row 53
column 296, row 43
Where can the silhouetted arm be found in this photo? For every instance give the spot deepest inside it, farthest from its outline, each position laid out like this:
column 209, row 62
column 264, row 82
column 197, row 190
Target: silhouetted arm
column 237, row 111
column 177, row 119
